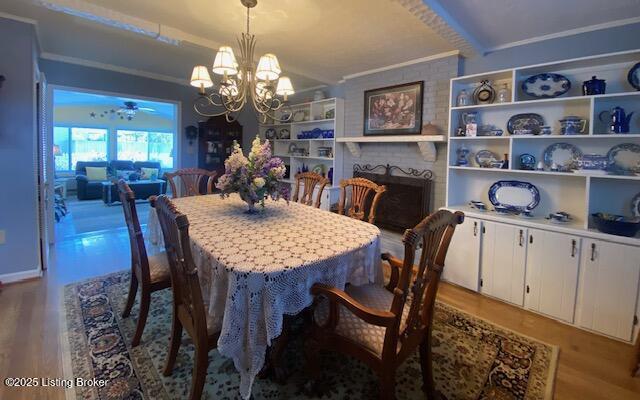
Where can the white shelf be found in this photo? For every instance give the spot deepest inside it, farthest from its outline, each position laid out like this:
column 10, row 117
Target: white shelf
column 539, row 222
column 304, row 140
column 518, row 171
column 305, row 157
column 392, row 139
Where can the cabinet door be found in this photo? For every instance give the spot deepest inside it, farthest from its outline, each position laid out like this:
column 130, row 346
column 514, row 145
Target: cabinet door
column 609, row 287
column 503, row 261
column 552, row 273
column 462, row 265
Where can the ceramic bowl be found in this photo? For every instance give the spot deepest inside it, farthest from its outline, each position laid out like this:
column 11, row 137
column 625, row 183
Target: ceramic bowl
column 616, row 224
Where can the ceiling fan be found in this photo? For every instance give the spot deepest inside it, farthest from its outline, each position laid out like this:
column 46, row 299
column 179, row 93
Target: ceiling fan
column 127, row 111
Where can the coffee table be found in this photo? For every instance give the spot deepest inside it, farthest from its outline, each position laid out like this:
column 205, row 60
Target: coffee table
column 143, row 189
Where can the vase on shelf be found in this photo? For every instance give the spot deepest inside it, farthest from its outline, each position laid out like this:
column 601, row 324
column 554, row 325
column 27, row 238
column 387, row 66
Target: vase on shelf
column 463, row 99
column 504, row 94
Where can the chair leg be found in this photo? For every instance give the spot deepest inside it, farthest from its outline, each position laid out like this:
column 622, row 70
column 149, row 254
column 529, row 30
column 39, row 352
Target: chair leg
column 200, row 365
column 388, row 385
column 312, row 362
column 133, row 290
column 145, row 301
column 174, row 345
column 426, row 363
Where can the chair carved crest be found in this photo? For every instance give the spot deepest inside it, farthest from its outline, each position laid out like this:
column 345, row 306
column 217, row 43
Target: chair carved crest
column 361, row 189
column 309, row 181
column 188, row 181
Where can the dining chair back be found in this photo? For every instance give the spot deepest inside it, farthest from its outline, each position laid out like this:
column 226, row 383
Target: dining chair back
column 361, row 190
column 396, row 319
column 309, row 181
column 191, row 182
column 188, row 305
column 150, row 273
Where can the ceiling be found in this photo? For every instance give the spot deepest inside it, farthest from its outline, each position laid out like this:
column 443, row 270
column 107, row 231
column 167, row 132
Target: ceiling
column 72, row 98
column 500, row 23
column 317, row 42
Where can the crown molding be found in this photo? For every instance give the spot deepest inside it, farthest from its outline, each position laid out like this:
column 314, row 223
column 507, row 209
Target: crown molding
column 570, row 32
column 402, row 64
column 113, row 68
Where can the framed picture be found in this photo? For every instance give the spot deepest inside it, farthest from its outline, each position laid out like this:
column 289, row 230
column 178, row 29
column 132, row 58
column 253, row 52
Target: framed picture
column 393, row 110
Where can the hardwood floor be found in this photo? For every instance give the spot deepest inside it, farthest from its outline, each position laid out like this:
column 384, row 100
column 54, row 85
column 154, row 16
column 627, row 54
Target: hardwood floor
column 591, row 367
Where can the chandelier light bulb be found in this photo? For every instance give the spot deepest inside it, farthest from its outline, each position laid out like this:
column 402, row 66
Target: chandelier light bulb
column 268, row 68
column 225, row 62
column 285, row 87
column 200, row 77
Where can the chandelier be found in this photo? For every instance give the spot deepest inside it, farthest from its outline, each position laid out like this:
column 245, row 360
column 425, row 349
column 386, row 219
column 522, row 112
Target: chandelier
column 239, row 83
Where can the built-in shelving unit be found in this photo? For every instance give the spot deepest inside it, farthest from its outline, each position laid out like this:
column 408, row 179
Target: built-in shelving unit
column 571, row 272
column 315, row 116
column 574, row 192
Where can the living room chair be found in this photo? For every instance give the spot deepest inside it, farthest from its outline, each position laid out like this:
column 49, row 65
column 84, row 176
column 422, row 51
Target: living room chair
column 188, row 305
column 360, row 189
column 151, row 273
column 382, row 326
column 309, row 180
column 190, row 182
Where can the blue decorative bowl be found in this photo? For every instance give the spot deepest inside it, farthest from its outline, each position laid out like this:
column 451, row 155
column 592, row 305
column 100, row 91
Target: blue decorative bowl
column 616, row 224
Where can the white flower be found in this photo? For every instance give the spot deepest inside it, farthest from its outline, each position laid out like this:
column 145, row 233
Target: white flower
column 259, row 182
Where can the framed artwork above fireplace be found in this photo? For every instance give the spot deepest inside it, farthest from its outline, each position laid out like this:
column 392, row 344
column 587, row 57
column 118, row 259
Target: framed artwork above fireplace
column 393, row 110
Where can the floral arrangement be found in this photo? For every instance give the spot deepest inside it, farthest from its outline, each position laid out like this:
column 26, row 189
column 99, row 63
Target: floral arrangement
column 255, row 177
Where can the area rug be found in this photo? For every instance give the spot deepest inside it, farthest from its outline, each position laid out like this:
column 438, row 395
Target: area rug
column 473, row 359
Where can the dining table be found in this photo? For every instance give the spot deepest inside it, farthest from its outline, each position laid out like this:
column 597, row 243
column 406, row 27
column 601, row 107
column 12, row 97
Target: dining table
column 256, row 268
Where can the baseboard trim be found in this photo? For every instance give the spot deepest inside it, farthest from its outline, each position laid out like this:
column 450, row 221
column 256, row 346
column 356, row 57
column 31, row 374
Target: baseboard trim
column 20, row 276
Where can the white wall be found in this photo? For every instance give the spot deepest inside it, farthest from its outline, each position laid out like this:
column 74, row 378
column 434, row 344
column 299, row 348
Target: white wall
column 436, row 75
column 18, row 197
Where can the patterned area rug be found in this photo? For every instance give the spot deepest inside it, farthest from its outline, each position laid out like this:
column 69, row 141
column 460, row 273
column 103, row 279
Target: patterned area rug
column 473, row 358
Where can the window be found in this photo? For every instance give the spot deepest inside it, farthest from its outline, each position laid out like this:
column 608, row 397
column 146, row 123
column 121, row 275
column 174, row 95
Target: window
column 74, row 144
column 146, row 146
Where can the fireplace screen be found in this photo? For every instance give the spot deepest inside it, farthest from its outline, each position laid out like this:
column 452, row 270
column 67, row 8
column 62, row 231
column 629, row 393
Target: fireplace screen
column 407, row 200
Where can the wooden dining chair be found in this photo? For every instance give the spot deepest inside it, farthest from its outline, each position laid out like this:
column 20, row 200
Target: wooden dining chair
column 190, row 182
column 361, row 189
column 151, row 273
column 188, row 305
column 309, row 181
column 382, row 326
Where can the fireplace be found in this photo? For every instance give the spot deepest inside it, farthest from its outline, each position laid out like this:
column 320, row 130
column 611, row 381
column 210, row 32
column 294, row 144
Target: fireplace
column 407, row 200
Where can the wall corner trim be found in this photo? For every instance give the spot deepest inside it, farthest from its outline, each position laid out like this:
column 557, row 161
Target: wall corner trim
column 403, row 64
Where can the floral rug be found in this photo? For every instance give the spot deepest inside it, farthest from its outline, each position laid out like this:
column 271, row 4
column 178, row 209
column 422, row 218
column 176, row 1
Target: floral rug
column 473, row 359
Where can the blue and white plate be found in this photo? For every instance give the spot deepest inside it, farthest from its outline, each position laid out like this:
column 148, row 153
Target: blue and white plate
column 514, row 195
column 546, row 85
column 564, row 155
column 625, row 157
column 635, row 205
column 527, row 123
column 634, row 76
column 485, row 158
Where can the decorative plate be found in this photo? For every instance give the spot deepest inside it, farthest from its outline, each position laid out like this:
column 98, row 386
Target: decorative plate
column 635, row 205
column 514, row 195
column 634, row 76
column 564, row 155
column 284, row 133
column 270, row 134
column 546, row 86
column 530, row 122
column 484, row 158
column 299, row 116
column 625, row 157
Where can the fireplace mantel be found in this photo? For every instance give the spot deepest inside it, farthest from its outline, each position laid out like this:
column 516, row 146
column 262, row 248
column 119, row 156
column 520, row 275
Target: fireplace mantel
column 425, row 143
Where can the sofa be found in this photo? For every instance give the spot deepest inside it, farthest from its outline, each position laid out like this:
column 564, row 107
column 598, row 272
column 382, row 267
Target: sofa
column 92, row 190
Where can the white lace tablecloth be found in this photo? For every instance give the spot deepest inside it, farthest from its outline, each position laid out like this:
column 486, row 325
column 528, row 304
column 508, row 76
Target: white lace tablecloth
column 256, row 268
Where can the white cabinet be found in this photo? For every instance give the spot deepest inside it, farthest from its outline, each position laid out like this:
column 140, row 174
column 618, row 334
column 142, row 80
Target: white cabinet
column 552, row 273
column 462, row 265
column 609, row 287
column 503, row 261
